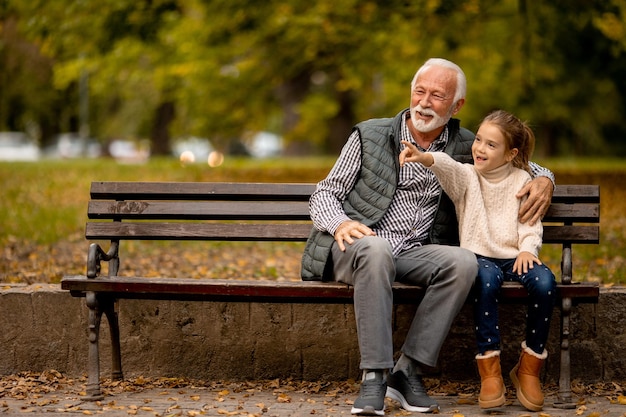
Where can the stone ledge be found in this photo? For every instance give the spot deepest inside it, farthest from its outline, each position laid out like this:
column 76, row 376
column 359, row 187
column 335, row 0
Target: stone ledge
column 44, row 328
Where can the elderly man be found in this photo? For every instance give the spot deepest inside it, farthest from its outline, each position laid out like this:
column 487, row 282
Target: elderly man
column 376, row 222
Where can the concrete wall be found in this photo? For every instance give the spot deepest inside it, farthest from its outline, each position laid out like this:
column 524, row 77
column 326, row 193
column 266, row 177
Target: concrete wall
column 43, row 327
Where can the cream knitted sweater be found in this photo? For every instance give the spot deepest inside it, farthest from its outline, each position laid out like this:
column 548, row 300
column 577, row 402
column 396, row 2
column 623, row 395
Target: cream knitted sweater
column 487, row 209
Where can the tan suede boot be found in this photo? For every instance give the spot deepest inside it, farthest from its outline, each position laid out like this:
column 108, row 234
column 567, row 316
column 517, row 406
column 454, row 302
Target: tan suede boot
column 525, row 377
column 492, row 387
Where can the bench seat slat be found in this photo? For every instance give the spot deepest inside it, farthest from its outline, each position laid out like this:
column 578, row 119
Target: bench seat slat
column 205, row 210
column 198, row 231
column 272, row 291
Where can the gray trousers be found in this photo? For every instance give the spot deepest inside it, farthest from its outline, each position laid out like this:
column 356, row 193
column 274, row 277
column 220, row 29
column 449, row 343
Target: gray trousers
column 446, row 272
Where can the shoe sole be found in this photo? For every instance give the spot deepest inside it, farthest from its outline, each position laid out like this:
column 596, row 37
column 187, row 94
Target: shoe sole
column 498, row 402
column 367, row 411
column 394, row 394
column 520, row 395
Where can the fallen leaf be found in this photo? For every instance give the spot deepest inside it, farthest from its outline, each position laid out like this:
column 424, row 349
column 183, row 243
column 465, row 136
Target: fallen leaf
column 466, row 401
column 283, row 398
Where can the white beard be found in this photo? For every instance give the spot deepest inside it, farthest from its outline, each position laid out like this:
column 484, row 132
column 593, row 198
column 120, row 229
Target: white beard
column 424, row 126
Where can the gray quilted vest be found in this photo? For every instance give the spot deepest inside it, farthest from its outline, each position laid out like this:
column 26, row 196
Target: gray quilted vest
column 376, row 186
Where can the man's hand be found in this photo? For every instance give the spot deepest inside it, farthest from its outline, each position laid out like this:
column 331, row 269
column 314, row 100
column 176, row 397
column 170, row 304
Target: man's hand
column 351, row 229
column 539, row 193
column 524, row 262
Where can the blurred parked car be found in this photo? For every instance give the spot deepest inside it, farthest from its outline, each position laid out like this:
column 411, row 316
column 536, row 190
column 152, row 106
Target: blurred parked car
column 17, row 146
column 200, row 148
column 265, row 145
column 129, row 152
column 72, row 145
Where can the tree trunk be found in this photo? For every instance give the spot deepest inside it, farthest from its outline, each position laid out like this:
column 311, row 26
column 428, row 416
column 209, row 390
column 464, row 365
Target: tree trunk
column 160, row 128
column 340, row 125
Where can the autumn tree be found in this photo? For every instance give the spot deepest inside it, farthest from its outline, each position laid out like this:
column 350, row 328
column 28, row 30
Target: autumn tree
column 310, row 70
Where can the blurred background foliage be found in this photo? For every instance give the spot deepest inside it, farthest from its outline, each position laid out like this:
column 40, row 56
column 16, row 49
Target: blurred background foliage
column 219, row 69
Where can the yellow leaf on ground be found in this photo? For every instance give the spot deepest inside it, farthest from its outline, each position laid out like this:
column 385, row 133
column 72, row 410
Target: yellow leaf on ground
column 466, row 401
column 283, row 398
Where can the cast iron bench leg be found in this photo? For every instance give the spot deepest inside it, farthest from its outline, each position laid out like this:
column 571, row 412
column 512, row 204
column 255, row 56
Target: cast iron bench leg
column 97, row 306
column 114, row 328
column 93, row 378
column 565, row 389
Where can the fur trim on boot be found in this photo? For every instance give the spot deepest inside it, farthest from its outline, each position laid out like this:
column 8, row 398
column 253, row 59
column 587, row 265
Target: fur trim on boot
column 525, row 378
column 492, row 387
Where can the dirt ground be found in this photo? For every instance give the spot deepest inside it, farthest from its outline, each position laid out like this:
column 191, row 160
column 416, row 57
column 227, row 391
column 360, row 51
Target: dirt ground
column 52, row 392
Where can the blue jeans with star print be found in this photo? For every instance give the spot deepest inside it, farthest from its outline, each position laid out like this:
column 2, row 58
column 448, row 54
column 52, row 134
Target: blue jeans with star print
column 541, row 286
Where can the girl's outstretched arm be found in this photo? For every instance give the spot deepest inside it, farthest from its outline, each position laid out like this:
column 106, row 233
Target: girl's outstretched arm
column 411, row 154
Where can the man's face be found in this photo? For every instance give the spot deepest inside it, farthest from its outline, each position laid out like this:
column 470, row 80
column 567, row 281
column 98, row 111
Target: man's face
column 432, row 99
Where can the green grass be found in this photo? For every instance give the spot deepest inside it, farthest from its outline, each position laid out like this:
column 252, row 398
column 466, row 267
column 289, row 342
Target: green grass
column 43, row 204
column 46, row 201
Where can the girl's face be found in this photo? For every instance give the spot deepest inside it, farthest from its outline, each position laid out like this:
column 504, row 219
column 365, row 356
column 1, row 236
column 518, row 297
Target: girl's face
column 490, row 149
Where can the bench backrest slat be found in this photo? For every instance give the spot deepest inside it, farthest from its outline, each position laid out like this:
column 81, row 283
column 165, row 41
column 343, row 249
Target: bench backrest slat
column 198, row 231
column 271, row 232
column 200, row 191
column 583, row 212
column 576, row 193
column 257, row 210
column 571, row 234
column 199, row 210
column 102, row 190
column 269, row 211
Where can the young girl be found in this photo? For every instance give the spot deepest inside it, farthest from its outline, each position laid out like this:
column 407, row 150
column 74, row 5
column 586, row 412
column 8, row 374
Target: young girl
column 487, row 209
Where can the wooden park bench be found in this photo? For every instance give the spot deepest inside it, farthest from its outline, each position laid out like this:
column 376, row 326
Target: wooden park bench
column 267, row 212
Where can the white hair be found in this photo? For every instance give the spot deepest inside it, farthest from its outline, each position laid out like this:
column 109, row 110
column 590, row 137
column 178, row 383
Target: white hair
column 461, row 82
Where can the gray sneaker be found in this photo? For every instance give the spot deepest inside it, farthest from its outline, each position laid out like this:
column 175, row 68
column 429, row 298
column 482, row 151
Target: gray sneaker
column 371, row 400
column 410, row 392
